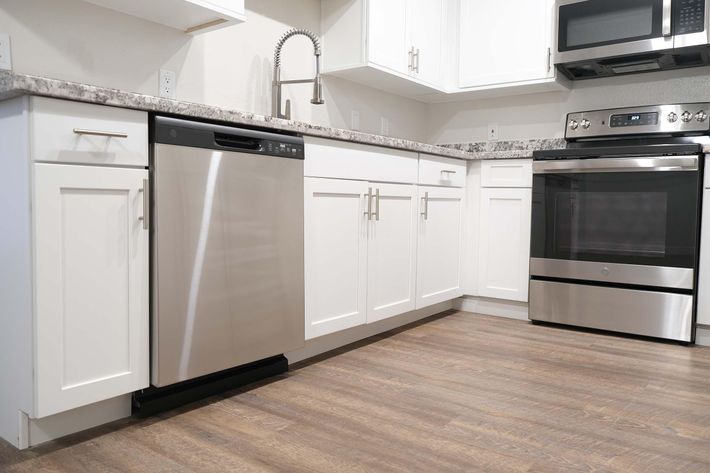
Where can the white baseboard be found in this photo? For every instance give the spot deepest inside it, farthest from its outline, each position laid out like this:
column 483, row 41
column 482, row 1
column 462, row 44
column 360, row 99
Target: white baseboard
column 496, row 307
column 702, row 335
column 330, row 342
column 34, row 432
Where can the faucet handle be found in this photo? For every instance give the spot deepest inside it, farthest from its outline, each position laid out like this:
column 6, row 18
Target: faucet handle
column 287, row 113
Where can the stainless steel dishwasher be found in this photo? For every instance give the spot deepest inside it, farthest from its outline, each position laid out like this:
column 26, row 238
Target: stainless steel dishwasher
column 227, row 242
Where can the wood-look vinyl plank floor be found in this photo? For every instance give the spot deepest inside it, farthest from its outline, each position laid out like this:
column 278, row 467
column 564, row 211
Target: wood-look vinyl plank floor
column 457, row 393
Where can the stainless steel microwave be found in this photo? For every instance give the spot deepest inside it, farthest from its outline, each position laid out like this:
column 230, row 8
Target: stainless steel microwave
column 600, row 38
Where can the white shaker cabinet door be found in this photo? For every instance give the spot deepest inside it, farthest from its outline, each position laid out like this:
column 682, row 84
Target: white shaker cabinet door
column 440, row 244
column 92, row 283
column 425, row 20
column 387, row 34
column 392, row 251
column 335, row 255
column 504, row 249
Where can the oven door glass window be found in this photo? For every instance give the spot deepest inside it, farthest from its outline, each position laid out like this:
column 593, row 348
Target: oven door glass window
column 594, row 23
column 647, row 218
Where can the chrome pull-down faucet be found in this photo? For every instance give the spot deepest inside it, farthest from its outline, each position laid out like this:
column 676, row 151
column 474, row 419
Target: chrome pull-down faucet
column 278, row 83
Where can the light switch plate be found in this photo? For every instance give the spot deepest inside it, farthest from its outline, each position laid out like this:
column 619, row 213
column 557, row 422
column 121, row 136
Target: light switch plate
column 167, row 84
column 492, row 131
column 5, row 52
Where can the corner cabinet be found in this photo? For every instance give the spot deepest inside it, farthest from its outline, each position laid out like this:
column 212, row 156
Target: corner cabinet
column 393, row 45
column 190, row 16
column 75, row 275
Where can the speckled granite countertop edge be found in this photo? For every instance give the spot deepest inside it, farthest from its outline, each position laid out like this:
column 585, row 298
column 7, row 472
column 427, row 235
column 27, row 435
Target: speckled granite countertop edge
column 15, row 84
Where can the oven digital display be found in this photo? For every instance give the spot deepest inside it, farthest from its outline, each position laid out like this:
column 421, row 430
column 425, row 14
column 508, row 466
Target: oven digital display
column 634, row 119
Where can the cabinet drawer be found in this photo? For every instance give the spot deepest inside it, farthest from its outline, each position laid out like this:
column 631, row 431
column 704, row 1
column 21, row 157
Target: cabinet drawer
column 82, row 133
column 343, row 160
column 439, row 171
column 506, row 173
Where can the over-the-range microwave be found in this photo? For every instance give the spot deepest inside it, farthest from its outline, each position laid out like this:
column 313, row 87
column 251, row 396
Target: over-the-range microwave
column 601, row 38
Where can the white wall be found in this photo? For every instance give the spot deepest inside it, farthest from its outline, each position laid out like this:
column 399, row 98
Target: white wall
column 543, row 115
column 231, row 67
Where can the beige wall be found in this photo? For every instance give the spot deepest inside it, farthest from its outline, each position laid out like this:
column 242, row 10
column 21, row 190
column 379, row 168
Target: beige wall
column 231, row 67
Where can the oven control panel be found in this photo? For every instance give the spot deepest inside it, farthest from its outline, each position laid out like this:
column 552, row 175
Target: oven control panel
column 678, row 119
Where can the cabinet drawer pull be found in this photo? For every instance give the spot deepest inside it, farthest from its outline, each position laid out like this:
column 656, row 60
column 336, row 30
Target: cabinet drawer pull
column 146, row 204
column 109, row 134
column 447, row 171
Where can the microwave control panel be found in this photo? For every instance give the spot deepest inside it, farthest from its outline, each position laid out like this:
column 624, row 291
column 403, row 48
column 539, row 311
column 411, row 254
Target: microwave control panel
column 689, row 16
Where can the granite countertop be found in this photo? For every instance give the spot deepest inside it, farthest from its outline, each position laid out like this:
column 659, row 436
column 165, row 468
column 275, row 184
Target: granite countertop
column 14, row 84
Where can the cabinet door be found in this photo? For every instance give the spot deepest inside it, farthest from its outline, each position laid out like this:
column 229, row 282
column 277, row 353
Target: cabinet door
column 424, row 31
column 440, row 245
column 504, row 248
column 91, row 285
column 504, row 41
column 387, row 34
column 392, row 251
column 704, row 267
column 335, row 255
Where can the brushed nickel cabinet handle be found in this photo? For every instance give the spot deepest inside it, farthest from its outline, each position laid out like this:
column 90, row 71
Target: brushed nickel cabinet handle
column 416, row 61
column 368, row 196
column 377, row 205
column 146, row 204
column 447, row 171
column 425, row 200
column 108, row 134
column 410, row 63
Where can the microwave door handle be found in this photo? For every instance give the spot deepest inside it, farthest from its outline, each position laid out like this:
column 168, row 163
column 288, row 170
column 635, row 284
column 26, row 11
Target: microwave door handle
column 667, row 18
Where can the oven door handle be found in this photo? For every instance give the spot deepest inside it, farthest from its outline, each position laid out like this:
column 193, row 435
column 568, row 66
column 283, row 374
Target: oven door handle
column 661, row 163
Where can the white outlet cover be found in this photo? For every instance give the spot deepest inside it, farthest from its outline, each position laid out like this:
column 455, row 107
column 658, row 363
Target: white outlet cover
column 492, row 131
column 166, row 84
column 5, row 52
column 385, row 126
column 355, row 120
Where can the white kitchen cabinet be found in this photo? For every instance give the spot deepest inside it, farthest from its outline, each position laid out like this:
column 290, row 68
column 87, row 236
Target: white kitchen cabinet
column 391, row 251
column 505, row 42
column 74, row 284
column 440, row 244
column 335, row 255
column 504, row 246
column 393, row 45
column 190, row 16
column 703, row 316
column 91, row 283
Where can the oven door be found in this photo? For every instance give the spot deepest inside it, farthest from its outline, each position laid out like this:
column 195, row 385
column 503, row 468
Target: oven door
column 626, row 220
column 590, row 29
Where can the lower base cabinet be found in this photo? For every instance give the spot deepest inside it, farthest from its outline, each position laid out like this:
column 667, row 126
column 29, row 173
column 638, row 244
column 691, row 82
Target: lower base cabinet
column 504, row 248
column 440, row 244
column 360, row 247
column 91, row 258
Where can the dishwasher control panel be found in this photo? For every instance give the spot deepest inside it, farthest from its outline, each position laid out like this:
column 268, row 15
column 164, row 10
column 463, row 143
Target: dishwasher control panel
column 279, row 148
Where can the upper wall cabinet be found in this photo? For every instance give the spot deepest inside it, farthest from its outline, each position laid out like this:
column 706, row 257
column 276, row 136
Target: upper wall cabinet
column 504, row 42
column 190, row 16
column 394, row 45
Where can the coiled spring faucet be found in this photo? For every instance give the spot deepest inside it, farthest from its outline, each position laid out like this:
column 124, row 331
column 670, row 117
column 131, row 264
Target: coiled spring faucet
column 277, row 82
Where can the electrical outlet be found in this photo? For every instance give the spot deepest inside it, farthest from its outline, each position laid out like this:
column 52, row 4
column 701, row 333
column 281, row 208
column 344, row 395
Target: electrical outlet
column 355, row 120
column 5, row 52
column 492, row 131
column 166, row 87
column 385, row 126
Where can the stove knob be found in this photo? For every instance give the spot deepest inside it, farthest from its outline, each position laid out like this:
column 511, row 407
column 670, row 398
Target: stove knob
column 573, row 124
column 586, row 123
column 686, row 117
column 701, row 116
column 672, row 117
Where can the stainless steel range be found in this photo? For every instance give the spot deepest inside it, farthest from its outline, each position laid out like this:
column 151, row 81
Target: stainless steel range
column 616, row 221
